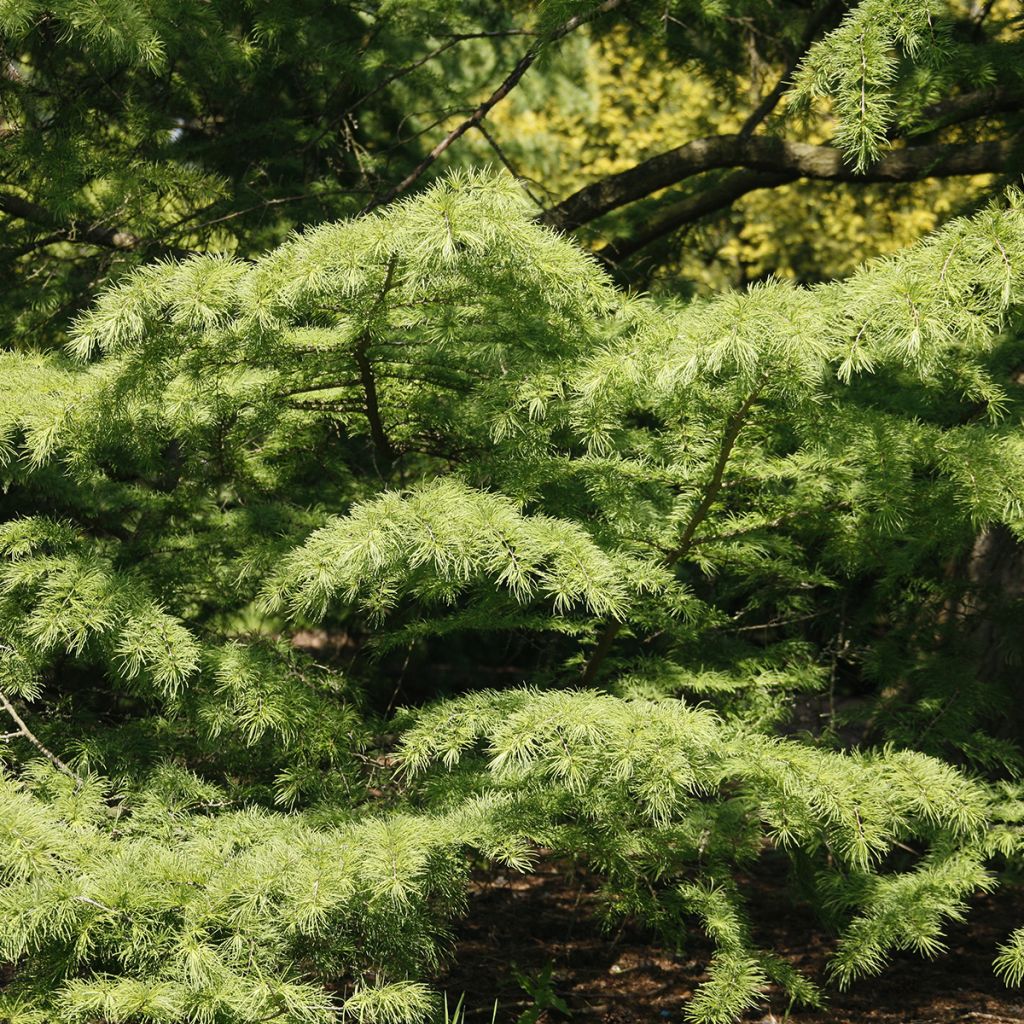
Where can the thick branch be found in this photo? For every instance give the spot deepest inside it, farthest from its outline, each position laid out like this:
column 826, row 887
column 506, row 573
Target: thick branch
column 775, row 156
column 681, row 212
column 689, row 209
column 474, row 119
column 25, row 732
column 969, row 106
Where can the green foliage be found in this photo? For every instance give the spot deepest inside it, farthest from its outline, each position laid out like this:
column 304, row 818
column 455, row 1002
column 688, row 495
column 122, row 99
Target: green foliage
column 654, row 790
column 857, row 65
column 426, row 431
column 135, row 129
column 1010, row 962
column 174, row 911
column 435, row 543
column 272, row 466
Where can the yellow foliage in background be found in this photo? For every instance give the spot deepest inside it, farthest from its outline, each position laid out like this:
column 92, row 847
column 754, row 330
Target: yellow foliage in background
column 606, row 104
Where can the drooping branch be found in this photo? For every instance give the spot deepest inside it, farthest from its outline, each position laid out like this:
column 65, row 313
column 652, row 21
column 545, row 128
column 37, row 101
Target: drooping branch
column 775, row 156
column 824, row 19
column 510, row 82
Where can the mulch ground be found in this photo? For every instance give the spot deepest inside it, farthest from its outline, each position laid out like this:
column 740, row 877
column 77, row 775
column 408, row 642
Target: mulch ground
column 549, row 918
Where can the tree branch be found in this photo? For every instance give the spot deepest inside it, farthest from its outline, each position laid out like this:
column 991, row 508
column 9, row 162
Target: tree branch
column 825, row 18
column 968, row 106
column 733, row 426
column 452, row 40
column 503, row 157
column 676, row 214
column 687, row 210
column 774, row 156
column 723, row 194
column 77, row 231
column 474, row 119
column 377, row 432
column 28, row 734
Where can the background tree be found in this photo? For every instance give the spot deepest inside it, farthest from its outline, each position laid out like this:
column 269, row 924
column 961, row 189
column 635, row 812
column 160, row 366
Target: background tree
column 143, row 128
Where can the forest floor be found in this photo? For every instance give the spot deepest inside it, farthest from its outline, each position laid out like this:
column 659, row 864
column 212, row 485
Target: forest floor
column 548, row 921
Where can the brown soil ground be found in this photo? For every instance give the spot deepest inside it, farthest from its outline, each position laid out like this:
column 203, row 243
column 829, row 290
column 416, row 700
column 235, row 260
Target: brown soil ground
column 549, row 918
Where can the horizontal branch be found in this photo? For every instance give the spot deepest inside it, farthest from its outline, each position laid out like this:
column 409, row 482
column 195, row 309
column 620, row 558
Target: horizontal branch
column 776, row 156
column 76, row 231
column 968, row 106
column 674, row 214
column 24, row 209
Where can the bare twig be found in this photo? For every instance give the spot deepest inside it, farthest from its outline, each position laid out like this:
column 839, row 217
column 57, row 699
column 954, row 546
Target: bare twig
column 29, row 735
column 95, row 903
column 493, row 143
column 474, row 119
column 452, row 40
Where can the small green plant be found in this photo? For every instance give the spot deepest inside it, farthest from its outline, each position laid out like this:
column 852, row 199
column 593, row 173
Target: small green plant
column 540, row 987
column 457, row 1014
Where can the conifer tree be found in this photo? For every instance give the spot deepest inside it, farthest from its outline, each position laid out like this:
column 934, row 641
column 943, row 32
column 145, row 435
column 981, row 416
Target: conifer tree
column 427, row 423
column 441, row 434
